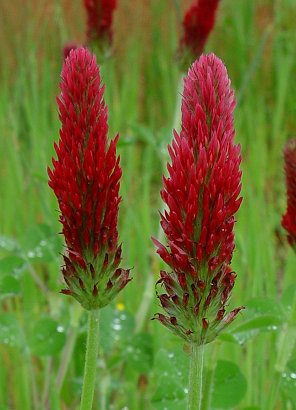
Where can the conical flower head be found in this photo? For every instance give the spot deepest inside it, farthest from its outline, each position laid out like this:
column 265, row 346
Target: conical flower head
column 289, row 219
column 197, row 25
column 99, row 21
column 202, row 196
column 85, row 179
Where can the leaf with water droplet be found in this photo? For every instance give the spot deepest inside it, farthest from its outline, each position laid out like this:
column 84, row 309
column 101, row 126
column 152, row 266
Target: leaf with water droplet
column 8, row 244
column 288, row 298
column 40, row 242
column 139, row 353
column 116, row 327
column 9, row 330
column 171, row 374
column 12, row 264
column 169, row 405
column 288, row 385
column 261, row 315
column 47, row 338
column 229, row 387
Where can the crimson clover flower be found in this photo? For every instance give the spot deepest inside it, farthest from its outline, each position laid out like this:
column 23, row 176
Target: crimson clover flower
column 99, row 20
column 289, row 219
column 201, row 194
column 85, row 179
column 197, row 24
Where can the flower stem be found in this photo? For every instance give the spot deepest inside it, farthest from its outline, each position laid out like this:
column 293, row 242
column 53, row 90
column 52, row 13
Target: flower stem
column 195, row 377
column 90, row 361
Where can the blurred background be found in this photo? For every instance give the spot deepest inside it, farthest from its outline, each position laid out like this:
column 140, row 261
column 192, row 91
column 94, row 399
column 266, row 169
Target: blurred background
column 141, row 365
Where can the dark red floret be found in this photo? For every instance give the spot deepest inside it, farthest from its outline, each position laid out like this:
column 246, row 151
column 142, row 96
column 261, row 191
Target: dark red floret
column 289, row 218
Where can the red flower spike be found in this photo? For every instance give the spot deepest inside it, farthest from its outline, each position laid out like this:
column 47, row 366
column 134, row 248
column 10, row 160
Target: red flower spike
column 197, row 25
column 289, row 219
column 99, row 21
column 85, row 178
column 201, row 195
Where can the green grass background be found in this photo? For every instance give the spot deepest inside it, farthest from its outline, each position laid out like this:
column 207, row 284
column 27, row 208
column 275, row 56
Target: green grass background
column 141, row 365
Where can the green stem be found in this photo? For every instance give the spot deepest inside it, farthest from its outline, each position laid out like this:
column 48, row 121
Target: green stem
column 195, row 377
column 90, row 361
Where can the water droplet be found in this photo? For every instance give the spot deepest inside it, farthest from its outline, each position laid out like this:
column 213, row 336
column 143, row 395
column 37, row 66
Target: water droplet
column 186, row 390
column 60, row 329
column 273, row 327
column 31, row 254
column 171, row 355
column 116, row 324
column 293, row 375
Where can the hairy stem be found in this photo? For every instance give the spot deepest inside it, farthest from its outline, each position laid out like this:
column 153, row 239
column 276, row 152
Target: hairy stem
column 90, row 361
column 195, row 377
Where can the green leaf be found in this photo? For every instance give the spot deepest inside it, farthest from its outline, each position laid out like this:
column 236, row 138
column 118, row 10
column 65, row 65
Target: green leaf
column 116, row 327
column 9, row 330
column 262, row 306
column 78, row 357
column 230, row 385
column 9, row 286
column 12, row 264
column 169, row 405
column 251, row 408
column 171, row 372
column 288, row 297
column 139, row 353
column 47, row 337
column 41, row 243
column 8, row 244
column 288, row 385
column 261, row 315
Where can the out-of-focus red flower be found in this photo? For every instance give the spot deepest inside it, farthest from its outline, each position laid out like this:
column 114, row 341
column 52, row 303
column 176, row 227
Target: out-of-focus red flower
column 289, row 219
column 99, row 20
column 201, row 194
column 198, row 23
column 85, row 179
column 67, row 48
